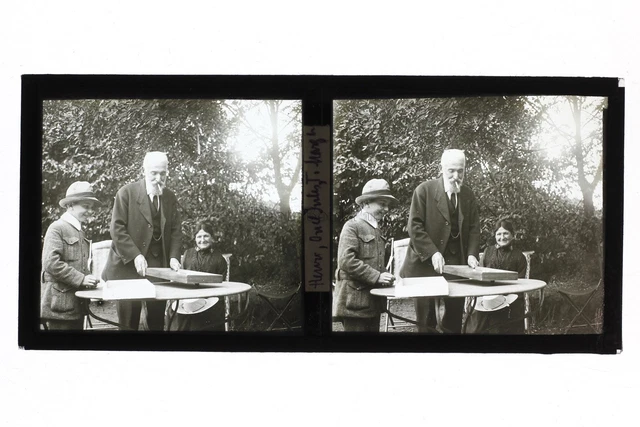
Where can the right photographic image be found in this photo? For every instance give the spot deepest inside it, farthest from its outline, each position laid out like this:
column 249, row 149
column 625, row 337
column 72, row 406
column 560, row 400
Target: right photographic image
column 468, row 215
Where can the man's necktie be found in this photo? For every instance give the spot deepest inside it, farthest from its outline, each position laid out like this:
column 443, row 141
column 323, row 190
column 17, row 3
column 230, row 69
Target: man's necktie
column 453, row 199
column 156, row 203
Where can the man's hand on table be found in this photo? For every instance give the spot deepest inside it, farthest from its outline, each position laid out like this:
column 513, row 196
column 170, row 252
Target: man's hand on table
column 472, row 261
column 438, row 262
column 175, row 264
column 141, row 265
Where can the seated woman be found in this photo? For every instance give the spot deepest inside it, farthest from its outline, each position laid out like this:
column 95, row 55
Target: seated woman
column 361, row 261
column 501, row 314
column 200, row 313
column 65, row 262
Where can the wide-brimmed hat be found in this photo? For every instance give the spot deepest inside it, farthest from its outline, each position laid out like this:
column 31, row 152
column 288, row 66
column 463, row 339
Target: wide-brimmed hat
column 376, row 189
column 79, row 191
column 195, row 305
column 495, row 302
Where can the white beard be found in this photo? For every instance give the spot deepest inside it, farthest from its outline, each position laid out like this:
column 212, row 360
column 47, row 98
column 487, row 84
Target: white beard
column 452, row 188
column 155, row 189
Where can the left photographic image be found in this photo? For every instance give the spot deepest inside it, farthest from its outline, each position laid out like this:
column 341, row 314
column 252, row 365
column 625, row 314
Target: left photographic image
column 180, row 215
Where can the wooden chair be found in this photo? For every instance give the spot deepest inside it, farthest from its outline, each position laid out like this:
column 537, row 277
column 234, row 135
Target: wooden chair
column 227, row 300
column 528, row 319
column 399, row 252
column 99, row 255
column 241, row 301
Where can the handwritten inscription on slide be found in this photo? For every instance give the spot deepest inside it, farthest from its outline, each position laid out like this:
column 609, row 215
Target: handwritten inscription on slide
column 316, row 181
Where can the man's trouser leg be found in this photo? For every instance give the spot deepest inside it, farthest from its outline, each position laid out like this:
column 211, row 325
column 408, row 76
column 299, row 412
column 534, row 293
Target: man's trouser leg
column 425, row 314
column 128, row 314
column 454, row 308
column 153, row 318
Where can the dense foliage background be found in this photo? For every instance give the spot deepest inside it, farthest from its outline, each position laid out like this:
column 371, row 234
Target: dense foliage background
column 104, row 142
column 537, row 160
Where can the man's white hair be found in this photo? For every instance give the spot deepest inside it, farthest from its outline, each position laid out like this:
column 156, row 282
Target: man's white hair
column 154, row 158
column 452, row 154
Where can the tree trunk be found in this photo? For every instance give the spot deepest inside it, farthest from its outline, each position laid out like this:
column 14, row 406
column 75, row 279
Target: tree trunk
column 587, row 199
column 283, row 193
column 578, row 149
column 285, row 206
column 586, row 187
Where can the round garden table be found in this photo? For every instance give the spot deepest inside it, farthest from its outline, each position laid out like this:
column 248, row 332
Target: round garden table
column 463, row 288
column 166, row 291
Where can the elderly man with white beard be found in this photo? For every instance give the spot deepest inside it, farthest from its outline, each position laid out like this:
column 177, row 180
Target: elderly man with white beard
column 444, row 228
column 146, row 232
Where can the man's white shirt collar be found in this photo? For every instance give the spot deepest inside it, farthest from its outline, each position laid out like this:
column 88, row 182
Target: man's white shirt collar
column 369, row 218
column 71, row 220
column 447, row 189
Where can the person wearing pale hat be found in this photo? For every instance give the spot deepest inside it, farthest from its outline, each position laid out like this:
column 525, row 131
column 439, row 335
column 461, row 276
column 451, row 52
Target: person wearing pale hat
column 65, row 261
column 500, row 314
column 361, row 261
column 444, row 228
column 146, row 231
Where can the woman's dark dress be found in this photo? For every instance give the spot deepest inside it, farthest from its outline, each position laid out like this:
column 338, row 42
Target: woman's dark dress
column 508, row 320
column 208, row 261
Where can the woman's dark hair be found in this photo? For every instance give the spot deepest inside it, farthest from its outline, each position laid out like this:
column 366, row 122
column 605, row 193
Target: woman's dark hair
column 504, row 223
column 204, row 225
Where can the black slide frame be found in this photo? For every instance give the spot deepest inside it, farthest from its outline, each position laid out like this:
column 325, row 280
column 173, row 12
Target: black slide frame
column 317, row 94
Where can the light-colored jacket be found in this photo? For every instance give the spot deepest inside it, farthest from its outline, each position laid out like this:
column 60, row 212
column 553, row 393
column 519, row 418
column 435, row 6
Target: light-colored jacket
column 361, row 254
column 65, row 258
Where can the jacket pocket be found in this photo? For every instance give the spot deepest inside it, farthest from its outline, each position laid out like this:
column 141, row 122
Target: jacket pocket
column 73, row 248
column 62, row 298
column 358, row 297
column 368, row 244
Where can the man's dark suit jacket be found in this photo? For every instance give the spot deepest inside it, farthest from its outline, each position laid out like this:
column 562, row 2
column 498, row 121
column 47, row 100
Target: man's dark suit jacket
column 430, row 228
column 132, row 230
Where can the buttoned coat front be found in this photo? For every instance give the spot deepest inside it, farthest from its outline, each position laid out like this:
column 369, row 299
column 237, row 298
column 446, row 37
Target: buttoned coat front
column 361, row 255
column 132, row 230
column 430, row 228
column 65, row 262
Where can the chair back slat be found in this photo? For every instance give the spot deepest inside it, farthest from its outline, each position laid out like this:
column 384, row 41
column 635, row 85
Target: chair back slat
column 527, row 256
column 400, row 248
column 99, row 255
column 227, row 258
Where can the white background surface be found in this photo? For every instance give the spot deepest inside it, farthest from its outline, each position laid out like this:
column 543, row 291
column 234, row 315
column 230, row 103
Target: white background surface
column 588, row 38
